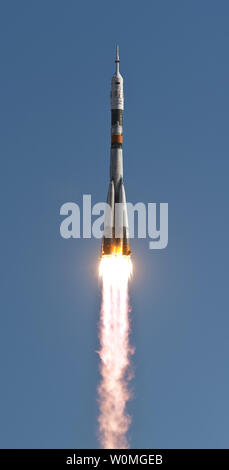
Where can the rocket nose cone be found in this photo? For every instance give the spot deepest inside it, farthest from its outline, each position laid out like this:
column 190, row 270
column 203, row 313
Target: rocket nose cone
column 117, row 53
column 117, row 60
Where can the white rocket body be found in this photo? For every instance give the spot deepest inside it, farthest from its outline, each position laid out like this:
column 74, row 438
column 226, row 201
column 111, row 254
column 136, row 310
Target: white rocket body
column 116, row 236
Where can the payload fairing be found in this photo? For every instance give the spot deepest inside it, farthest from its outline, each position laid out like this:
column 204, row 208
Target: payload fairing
column 116, row 233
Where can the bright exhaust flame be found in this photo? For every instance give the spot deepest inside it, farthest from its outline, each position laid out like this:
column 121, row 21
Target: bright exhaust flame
column 115, row 271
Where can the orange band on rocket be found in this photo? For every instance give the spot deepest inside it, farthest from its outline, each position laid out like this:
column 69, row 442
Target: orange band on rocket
column 116, row 139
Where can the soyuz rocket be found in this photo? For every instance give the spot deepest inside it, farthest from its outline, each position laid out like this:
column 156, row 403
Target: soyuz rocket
column 116, row 232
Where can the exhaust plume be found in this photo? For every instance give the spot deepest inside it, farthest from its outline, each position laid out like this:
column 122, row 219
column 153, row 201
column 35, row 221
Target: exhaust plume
column 115, row 271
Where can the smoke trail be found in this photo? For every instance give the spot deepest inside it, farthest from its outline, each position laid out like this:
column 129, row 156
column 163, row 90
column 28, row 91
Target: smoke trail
column 115, row 271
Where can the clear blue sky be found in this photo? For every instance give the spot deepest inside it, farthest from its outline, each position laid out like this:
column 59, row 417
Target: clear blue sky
column 57, row 59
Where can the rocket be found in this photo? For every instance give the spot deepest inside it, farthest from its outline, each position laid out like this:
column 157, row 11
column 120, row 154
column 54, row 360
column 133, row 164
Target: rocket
column 116, row 232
